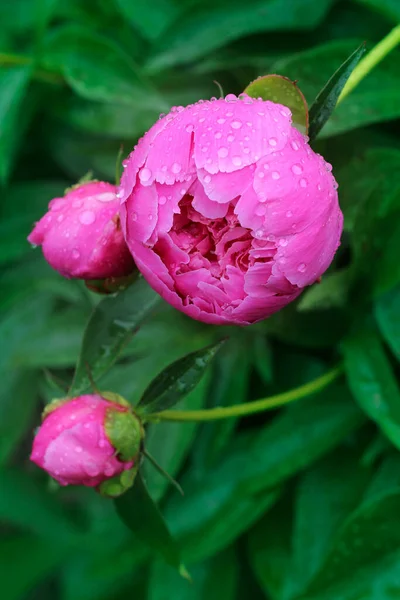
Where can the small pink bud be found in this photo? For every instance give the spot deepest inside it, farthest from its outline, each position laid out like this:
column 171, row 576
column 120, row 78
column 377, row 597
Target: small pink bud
column 88, row 440
column 81, row 235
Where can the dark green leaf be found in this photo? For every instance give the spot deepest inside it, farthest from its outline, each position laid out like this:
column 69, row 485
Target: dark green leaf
column 331, row 292
column 372, row 381
column 324, row 104
column 138, row 511
column 150, row 19
column 214, row 580
column 374, row 100
column 364, row 556
column 98, row 69
column 284, row 91
column 387, row 312
column 176, row 381
column 13, row 86
column 210, row 25
column 112, row 324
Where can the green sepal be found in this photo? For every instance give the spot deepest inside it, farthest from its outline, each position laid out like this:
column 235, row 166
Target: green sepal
column 125, row 432
column 114, row 487
column 53, row 405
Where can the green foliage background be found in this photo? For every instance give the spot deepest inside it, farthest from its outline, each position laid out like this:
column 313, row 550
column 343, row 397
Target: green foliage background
column 299, row 504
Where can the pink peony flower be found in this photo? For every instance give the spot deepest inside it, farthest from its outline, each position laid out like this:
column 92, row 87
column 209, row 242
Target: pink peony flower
column 81, row 236
column 72, row 443
column 227, row 211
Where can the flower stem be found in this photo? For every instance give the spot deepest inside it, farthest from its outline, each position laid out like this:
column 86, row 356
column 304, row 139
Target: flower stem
column 370, row 61
column 249, row 408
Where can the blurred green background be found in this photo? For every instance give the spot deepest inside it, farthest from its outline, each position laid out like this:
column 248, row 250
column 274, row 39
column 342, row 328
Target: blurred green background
column 302, row 503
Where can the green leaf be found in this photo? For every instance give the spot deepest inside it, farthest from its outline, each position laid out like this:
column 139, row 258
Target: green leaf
column 331, row 292
column 364, row 559
column 176, row 381
column 25, row 562
column 13, row 86
column 18, row 405
column 150, row 19
column 270, row 547
column 326, row 495
column 388, row 8
column 113, row 322
column 284, row 91
column 138, row 511
column 213, row 579
column 170, row 443
column 98, row 69
column 325, row 103
column 387, row 313
column 372, row 381
column 209, row 25
column 374, row 100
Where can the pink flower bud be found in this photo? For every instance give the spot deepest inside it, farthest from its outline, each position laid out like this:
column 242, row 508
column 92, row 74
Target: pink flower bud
column 227, row 210
column 87, row 440
column 81, row 235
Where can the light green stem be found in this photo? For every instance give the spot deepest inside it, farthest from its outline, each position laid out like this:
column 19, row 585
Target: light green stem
column 249, row 408
column 370, row 61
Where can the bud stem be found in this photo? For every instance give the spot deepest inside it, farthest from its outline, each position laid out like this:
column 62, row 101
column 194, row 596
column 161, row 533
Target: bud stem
column 249, row 408
column 370, row 61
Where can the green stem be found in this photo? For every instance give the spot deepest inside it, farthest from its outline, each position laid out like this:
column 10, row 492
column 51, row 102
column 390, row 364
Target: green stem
column 249, row 408
column 370, row 61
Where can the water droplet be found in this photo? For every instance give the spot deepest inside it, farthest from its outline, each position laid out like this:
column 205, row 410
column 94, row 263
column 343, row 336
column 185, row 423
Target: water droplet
column 289, row 214
column 229, row 114
column 259, row 233
column 189, row 128
column 295, row 145
column 120, row 193
column 102, row 443
column 272, row 141
column 328, row 167
column 125, row 163
column 218, row 135
column 204, row 148
column 266, row 166
column 319, row 187
column 283, row 242
column 260, row 174
column 261, row 210
column 150, row 217
column 297, row 169
column 223, row 152
column 77, row 204
column 237, row 161
column 301, row 268
column 284, row 113
column 207, row 179
column 72, row 417
column 60, row 218
column 162, row 199
column 275, row 175
column 270, row 238
column 176, row 168
column 78, row 449
column 221, row 121
column 134, row 216
column 164, row 168
column 75, row 253
column 87, row 217
column 303, row 183
column 246, row 150
column 236, row 124
column 57, row 204
column 230, row 98
column 106, row 197
column 108, row 469
column 202, row 120
column 91, row 469
column 230, row 138
column 144, row 174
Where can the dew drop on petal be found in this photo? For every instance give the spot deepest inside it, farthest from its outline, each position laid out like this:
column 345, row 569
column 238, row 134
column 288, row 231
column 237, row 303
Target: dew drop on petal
column 289, row 214
column 134, row 216
column 260, row 174
column 221, row 121
column 237, row 161
column 275, row 175
column 303, row 183
column 75, row 253
column 301, row 268
column 218, row 135
column 230, row 138
column 176, row 168
column 223, row 152
column 207, row 179
column 91, row 468
column 230, row 98
column 144, row 174
column 236, row 124
column 87, row 217
column 259, row 233
column 272, row 141
column 60, row 218
column 297, row 169
column 295, row 145
column 261, row 210
column 77, row 204
column 78, row 449
column 283, row 242
column 162, row 199
column 271, row 238
column 120, row 193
